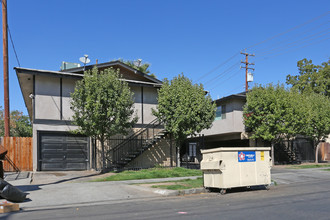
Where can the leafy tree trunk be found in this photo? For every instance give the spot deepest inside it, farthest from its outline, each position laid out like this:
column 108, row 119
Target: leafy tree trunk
column 171, row 151
column 103, row 155
column 178, row 148
column 178, row 156
column 273, row 153
column 317, row 148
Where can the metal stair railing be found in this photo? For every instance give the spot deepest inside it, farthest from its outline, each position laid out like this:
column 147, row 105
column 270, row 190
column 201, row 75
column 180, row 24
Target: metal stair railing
column 3, row 157
column 137, row 133
column 136, row 144
column 17, row 170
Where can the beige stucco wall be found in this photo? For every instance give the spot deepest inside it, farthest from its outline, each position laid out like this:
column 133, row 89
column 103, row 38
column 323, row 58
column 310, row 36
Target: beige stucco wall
column 48, row 102
column 233, row 123
column 68, row 86
column 47, row 98
column 149, row 101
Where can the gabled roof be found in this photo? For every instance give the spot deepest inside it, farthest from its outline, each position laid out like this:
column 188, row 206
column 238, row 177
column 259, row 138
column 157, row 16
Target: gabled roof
column 20, row 70
column 47, row 72
column 80, row 70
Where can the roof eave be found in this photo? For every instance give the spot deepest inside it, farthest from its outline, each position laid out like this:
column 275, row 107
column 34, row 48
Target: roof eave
column 113, row 63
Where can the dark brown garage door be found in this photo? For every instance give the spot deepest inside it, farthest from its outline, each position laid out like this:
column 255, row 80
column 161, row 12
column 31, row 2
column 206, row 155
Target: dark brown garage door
column 62, row 151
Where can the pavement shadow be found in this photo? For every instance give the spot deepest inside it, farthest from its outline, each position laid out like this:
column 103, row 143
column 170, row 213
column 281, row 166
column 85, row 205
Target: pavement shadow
column 238, row 189
column 34, row 187
column 28, row 188
column 67, row 179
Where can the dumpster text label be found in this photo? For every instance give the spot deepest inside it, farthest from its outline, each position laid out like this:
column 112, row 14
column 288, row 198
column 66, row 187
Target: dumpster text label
column 246, row 156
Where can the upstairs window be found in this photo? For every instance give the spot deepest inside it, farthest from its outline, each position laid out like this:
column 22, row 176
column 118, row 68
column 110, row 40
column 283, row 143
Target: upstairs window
column 220, row 112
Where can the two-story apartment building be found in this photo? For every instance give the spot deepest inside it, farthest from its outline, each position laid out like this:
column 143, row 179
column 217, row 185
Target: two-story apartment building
column 47, row 98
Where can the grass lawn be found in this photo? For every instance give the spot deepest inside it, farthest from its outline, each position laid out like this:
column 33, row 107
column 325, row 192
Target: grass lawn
column 181, row 184
column 326, row 170
column 307, row 166
column 151, row 173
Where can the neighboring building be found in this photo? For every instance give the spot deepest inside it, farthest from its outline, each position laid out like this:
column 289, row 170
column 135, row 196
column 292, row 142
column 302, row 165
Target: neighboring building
column 47, row 98
column 227, row 129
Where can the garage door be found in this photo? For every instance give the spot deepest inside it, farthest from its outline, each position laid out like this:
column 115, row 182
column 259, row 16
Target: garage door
column 62, row 151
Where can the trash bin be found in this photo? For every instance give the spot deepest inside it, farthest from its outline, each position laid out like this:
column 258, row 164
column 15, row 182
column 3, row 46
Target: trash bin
column 229, row 167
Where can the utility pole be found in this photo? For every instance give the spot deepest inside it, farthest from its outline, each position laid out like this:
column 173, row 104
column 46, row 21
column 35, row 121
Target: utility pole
column 246, row 68
column 5, row 66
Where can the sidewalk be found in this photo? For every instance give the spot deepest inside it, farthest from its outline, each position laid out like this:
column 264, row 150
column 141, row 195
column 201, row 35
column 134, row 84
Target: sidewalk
column 58, row 189
column 55, row 189
column 292, row 176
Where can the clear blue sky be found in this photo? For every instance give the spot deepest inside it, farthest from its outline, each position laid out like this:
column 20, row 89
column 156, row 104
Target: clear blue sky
column 174, row 36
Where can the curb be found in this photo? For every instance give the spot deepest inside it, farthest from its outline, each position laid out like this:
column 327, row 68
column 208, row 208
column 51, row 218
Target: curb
column 165, row 192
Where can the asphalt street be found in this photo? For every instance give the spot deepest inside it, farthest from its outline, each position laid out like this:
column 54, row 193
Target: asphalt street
column 294, row 199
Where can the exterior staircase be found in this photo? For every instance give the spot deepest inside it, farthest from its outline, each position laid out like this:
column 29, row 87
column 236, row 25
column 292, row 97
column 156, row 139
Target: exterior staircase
column 134, row 145
column 293, row 155
column 287, row 154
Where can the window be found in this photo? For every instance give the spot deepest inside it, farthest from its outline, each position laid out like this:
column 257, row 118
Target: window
column 220, row 113
column 192, row 149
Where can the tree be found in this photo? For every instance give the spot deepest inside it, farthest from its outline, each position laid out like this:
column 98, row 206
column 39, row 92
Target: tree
column 20, row 125
column 184, row 108
column 144, row 68
column 102, row 106
column 273, row 113
column 311, row 78
column 314, row 82
column 317, row 127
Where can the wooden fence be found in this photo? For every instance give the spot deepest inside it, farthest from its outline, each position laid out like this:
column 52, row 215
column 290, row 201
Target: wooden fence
column 324, row 153
column 19, row 152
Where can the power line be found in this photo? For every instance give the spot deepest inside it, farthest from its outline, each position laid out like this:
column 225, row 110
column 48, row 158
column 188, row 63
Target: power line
column 217, row 67
column 282, row 42
column 12, row 43
column 277, row 47
column 221, row 74
column 297, row 41
column 223, row 81
column 287, row 31
column 296, row 48
column 11, row 39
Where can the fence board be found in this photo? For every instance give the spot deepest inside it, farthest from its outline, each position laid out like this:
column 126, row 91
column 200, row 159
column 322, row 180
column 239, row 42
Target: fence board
column 19, row 151
column 324, row 152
